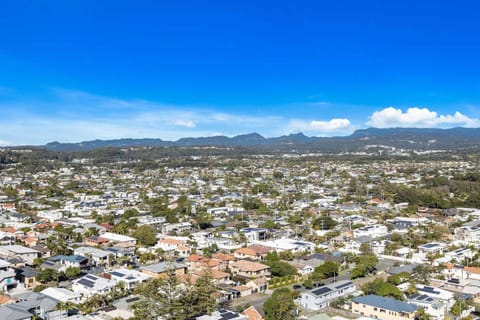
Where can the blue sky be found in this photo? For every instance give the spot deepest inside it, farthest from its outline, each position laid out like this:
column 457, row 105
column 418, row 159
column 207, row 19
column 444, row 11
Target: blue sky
column 81, row 70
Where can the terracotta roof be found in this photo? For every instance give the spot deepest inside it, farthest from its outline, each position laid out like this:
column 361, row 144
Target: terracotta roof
column 187, row 278
column 244, row 265
column 242, row 288
column 252, row 313
column 215, row 274
column 194, row 258
column 472, row 269
column 259, row 249
column 171, row 241
column 8, row 230
column 182, row 248
column 223, row 257
column 106, row 226
column 246, row 251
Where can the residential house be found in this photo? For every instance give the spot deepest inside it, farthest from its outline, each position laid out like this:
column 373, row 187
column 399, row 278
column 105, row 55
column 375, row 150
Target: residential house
column 62, row 295
column 40, row 305
column 321, row 297
column 302, row 269
column 432, row 247
column 250, row 269
column 253, row 252
column 467, row 234
column 119, row 238
column 14, row 312
column 383, row 308
column 223, row 314
column 447, row 297
column 433, row 307
column 163, row 269
column 373, row 231
column 131, row 278
column 96, row 256
column 254, row 234
column 292, row 245
column 90, row 285
column 252, row 313
column 27, row 276
column 73, row 261
column 28, row 255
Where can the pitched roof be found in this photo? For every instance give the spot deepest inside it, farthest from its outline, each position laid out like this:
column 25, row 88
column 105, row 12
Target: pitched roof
column 223, row 257
column 252, row 313
column 386, row 303
column 245, row 265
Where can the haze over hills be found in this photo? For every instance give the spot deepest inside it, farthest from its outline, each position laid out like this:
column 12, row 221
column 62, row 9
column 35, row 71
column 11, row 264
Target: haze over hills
column 404, row 138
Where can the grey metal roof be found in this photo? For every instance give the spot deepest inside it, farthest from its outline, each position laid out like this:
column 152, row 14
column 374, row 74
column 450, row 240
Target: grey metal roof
column 163, row 267
column 14, row 312
column 386, row 303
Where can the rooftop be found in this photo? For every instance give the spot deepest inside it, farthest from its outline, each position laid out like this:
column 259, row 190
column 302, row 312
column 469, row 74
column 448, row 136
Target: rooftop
column 386, row 303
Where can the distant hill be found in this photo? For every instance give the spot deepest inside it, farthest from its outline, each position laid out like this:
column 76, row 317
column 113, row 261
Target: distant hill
column 400, row 138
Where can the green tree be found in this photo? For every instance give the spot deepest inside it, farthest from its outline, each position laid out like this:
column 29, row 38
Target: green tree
column 400, row 278
column 46, row 275
column 280, row 305
column 422, row 273
column 72, row 272
column 281, row 268
column 324, row 222
column 459, row 306
column 365, row 248
column 421, row 314
column 145, row 235
column 384, row 289
column 327, row 270
column 308, row 284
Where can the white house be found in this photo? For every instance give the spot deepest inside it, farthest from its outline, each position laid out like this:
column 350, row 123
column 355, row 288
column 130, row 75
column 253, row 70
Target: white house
column 118, row 238
column 467, row 234
column 373, row 231
column 459, row 255
column 97, row 256
column 321, row 297
column 131, row 278
column 295, row 246
column 432, row 247
column 62, row 294
column 447, row 297
column 434, row 307
column 90, row 285
column 50, row 215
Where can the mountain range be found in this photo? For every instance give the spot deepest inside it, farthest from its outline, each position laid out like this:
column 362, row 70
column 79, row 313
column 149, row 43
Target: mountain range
column 402, row 138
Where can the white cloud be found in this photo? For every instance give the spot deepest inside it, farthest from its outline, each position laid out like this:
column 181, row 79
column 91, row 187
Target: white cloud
column 185, row 123
column 4, row 143
column 321, row 126
column 331, row 125
column 75, row 116
column 419, row 117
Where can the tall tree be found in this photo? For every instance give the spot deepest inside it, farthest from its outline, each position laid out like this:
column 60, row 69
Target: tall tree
column 280, row 305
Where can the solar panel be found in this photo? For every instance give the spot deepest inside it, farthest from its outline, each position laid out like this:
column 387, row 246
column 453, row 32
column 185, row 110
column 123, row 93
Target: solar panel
column 91, row 277
column 117, row 274
column 86, row 283
column 429, row 289
column 129, row 300
column 107, row 308
column 321, row 290
column 343, row 285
